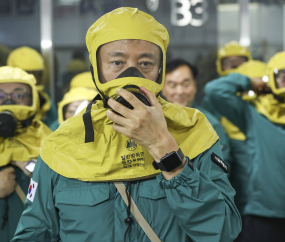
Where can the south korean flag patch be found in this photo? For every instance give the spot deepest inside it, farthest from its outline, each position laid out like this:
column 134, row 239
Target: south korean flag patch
column 32, row 190
column 216, row 159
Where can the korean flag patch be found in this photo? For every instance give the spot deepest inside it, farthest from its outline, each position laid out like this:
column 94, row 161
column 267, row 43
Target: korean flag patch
column 32, row 190
column 216, row 159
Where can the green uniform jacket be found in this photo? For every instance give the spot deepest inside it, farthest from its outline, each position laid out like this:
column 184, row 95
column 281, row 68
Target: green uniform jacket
column 240, row 157
column 12, row 206
column 224, row 139
column 51, row 115
column 54, row 126
column 196, row 205
column 265, row 146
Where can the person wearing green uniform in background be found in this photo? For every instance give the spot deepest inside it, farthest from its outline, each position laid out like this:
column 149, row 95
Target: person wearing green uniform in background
column 21, row 137
column 98, row 176
column 262, row 120
column 180, row 87
column 72, row 103
column 32, row 62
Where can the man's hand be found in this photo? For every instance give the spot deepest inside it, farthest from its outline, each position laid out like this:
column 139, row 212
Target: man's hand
column 7, row 181
column 259, row 86
column 145, row 125
column 22, row 166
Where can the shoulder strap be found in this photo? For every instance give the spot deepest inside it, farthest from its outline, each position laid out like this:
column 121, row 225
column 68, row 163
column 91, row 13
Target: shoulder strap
column 20, row 193
column 137, row 214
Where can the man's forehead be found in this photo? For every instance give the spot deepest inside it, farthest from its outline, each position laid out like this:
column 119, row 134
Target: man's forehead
column 14, row 86
column 125, row 45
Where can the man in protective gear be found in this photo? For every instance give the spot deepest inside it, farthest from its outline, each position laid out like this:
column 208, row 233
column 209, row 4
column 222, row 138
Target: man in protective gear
column 131, row 166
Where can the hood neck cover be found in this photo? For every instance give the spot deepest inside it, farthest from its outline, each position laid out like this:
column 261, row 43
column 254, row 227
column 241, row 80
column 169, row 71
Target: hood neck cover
column 107, row 155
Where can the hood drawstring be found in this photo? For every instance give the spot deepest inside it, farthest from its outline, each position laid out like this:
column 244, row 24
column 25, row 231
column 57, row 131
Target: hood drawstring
column 128, row 220
column 5, row 217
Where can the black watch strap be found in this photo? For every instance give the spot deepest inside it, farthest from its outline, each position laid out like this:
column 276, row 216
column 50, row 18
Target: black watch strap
column 170, row 161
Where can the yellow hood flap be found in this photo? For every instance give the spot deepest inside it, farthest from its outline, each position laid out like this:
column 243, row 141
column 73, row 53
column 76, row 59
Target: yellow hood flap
column 112, row 156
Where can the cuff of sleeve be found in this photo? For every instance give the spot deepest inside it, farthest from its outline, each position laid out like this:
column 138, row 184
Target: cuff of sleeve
column 185, row 175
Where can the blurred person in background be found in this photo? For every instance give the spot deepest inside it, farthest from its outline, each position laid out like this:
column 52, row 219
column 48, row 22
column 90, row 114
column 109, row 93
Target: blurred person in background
column 72, row 103
column 21, row 137
column 32, row 62
column 262, row 120
column 180, row 87
column 83, row 80
column 4, row 53
column 99, row 164
column 76, row 66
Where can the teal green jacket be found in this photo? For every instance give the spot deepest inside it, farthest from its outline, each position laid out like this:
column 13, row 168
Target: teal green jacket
column 265, row 146
column 196, row 205
column 54, row 126
column 51, row 115
column 224, row 139
column 12, row 207
column 240, row 157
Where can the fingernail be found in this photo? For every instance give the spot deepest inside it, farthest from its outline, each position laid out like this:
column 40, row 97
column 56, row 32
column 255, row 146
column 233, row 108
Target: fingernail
column 119, row 89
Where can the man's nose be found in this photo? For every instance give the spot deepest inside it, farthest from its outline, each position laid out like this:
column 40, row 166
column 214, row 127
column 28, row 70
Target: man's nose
column 179, row 89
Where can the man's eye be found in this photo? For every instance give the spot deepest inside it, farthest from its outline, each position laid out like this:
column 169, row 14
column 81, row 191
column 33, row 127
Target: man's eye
column 117, row 63
column 146, row 64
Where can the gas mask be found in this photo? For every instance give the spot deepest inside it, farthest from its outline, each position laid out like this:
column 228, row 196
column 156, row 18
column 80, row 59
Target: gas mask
column 14, row 112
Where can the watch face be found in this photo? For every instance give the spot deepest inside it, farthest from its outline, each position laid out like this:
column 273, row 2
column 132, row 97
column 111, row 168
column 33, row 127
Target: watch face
column 30, row 166
column 171, row 161
column 152, row 5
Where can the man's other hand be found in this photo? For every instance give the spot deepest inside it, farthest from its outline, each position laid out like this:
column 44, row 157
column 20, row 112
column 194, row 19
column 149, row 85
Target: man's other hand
column 7, row 181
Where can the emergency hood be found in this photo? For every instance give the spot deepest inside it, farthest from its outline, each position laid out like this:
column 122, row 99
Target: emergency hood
column 232, row 48
column 121, row 24
column 276, row 63
column 82, row 80
column 75, row 94
column 252, row 68
column 111, row 156
column 16, row 75
column 26, row 58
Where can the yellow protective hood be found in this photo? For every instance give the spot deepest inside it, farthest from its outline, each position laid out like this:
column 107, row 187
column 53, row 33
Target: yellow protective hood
column 25, row 145
column 232, row 48
column 252, row 68
column 277, row 62
column 14, row 74
column 26, row 58
column 75, row 94
column 45, row 106
column 231, row 130
column 271, row 108
column 112, row 156
column 82, row 80
column 77, row 65
column 125, row 23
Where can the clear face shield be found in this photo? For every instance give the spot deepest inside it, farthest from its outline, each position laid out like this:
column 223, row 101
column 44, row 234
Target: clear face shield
column 232, row 62
column 279, row 78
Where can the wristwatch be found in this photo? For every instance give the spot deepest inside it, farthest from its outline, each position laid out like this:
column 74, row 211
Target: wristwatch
column 170, row 161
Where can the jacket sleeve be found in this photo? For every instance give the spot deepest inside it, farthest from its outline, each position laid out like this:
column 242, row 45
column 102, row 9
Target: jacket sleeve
column 203, row 200
column 222, row 94
column 39, row 221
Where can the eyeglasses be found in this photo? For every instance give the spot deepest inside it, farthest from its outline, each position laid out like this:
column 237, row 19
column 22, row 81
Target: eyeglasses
column 18, row 97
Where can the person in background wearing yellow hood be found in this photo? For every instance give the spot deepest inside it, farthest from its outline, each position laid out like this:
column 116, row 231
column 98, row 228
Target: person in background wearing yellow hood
column 72, row 103
column 83, row 80
column 32, row 62
column 262, row 120
column 21, row 137
column 181, row 87
column 131, row 167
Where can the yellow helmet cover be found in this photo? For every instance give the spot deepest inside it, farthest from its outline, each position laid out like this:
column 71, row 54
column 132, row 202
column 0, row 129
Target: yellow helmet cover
column 233, row 48
column 112, row 156
column 75, row 94
column 277, row 62
column 26, row 143
column 26, row 58
column 82, row 80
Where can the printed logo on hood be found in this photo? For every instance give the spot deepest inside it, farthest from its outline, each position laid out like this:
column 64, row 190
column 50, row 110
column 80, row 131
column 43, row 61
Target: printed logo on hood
column 131, row 145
